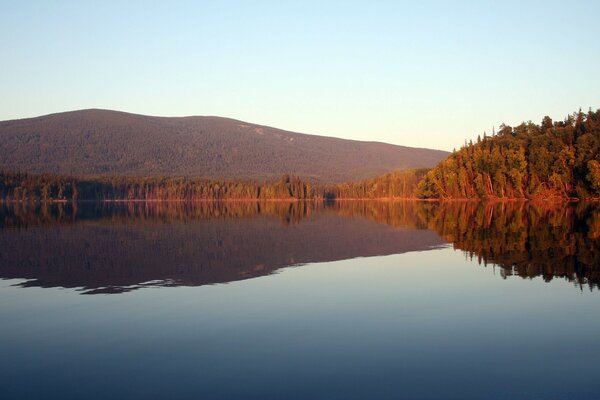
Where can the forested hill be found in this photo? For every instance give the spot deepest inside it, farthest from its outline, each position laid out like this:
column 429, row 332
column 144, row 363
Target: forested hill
column 101, row 142
column 553, row 159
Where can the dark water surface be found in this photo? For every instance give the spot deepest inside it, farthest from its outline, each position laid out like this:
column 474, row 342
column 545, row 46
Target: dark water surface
column 351, row 300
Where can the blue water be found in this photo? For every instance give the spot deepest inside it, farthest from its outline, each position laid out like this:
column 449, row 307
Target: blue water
column 425, row 324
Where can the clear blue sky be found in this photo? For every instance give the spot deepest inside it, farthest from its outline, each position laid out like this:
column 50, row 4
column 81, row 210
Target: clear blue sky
column 419, row 73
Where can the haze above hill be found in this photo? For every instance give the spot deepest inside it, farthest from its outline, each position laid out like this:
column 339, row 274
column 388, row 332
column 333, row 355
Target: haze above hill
column 103, row 142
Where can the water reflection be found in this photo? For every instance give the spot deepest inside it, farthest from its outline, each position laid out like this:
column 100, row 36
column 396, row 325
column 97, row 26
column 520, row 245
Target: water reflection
column 111, row 248
column 527, row 240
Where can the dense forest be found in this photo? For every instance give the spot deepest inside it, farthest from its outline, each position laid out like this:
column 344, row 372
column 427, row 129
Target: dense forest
column 47, row 187
column 554, row 159
column 398, row 184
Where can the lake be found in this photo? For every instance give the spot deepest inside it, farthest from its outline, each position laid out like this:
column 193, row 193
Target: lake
column 344, row 300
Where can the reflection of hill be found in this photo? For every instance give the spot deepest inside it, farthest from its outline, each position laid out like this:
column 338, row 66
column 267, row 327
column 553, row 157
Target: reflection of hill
column 106, row 247
column 115, row 248
column 524, row 239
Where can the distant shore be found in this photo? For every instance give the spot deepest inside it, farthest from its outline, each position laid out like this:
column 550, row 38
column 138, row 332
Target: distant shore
column 536, row 200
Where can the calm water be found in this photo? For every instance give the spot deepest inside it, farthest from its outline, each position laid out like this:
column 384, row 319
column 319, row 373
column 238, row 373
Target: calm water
column 300, row 301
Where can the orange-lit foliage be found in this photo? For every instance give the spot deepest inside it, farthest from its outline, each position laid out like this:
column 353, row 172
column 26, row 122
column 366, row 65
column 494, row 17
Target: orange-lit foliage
column 560, row 159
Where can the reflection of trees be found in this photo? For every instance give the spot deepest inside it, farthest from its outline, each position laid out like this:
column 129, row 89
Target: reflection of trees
column 405, row 214
column 22, row 215
column 524, row 239
column 527, row 240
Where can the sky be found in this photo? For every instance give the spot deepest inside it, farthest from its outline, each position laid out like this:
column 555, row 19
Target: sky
column 419, row 73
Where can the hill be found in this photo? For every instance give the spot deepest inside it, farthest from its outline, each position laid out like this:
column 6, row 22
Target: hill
column 102, row 142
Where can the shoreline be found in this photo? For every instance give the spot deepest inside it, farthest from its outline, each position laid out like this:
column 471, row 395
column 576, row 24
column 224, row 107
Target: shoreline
column 550, row 200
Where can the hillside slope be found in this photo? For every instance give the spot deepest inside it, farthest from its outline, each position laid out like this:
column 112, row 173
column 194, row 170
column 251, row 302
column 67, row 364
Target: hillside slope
column 102, row 142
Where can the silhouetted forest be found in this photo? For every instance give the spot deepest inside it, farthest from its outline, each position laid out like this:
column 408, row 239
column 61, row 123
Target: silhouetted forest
column 554, row 159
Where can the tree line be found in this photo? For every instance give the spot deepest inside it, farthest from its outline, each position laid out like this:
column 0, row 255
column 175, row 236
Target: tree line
column 397, row 184
column 47, row 187
column 558, row 159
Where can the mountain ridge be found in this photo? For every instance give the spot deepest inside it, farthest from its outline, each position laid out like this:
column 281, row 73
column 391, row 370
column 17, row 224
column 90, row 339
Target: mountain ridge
column 98, row 142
